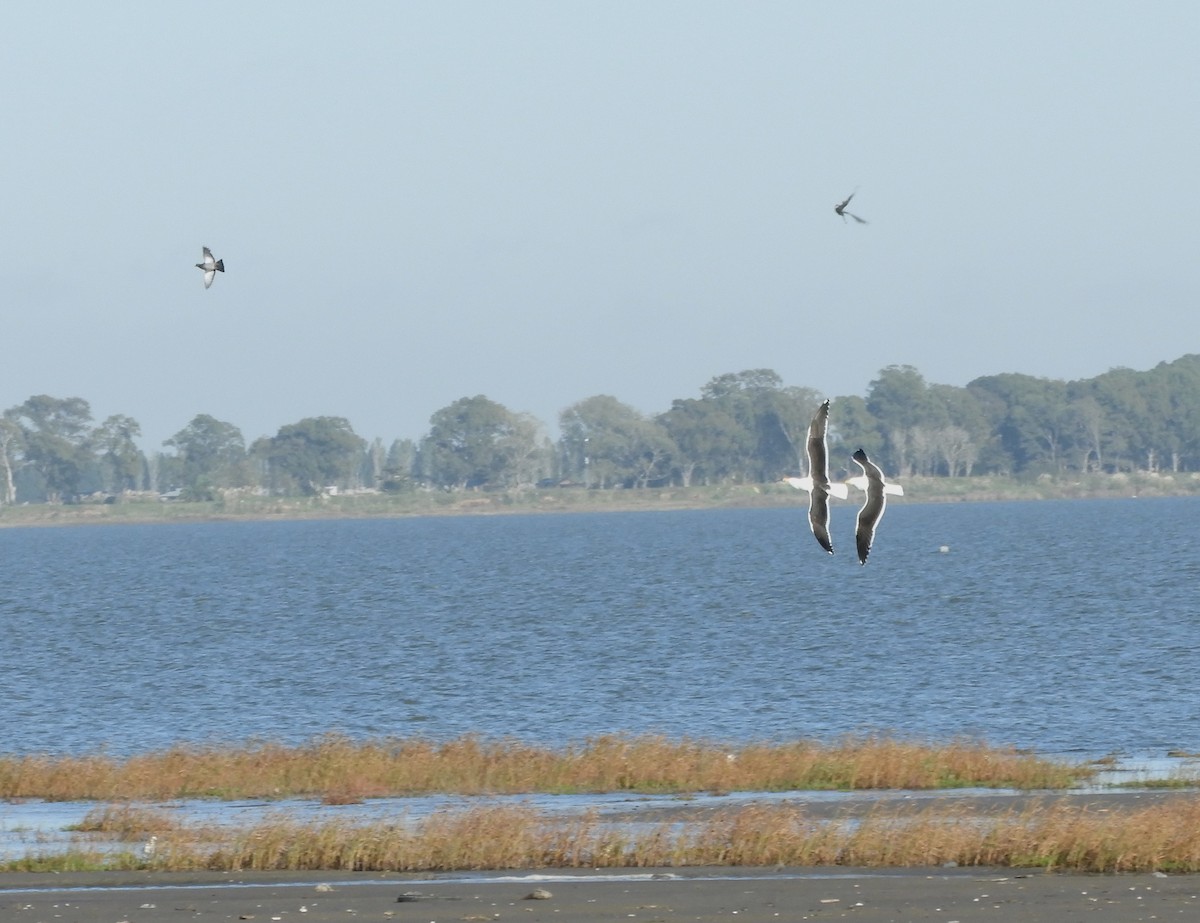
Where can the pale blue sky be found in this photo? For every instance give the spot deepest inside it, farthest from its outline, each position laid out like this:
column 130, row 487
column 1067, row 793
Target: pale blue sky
column 544, row 201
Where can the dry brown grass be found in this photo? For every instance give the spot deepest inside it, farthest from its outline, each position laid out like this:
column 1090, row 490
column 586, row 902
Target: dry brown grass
column 128, row 821
column 1057, row 837
column 340, row 770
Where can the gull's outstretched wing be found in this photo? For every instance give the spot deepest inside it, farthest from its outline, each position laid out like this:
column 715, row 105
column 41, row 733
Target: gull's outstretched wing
column 872, row 508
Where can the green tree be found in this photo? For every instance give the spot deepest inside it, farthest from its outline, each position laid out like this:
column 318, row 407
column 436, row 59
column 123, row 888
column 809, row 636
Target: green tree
column 56, row 434
column 373, row 462
column 212, row 455
column 315, row 453
column 1031, row 418
column 121, row 461
column 399, row 465
column 899, row 399
column 791, row 411
column 528, row 453
column 613, row 444
column 1091, row 433
column 851, row 426
column 711, row 444
column 1172, row 394
column 475, row 442
column 1134, row 435
column 756, row 400
column 966, row 434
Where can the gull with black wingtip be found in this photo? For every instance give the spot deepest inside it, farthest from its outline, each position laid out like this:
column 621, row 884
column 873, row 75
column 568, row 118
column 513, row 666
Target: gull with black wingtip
column 877, row 489
column 817, row 482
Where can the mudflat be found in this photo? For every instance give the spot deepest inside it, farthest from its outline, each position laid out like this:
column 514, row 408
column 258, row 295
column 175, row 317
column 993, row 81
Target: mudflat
column 864, row 895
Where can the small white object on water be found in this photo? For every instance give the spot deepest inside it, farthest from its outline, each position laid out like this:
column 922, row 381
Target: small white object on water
column 944, row 549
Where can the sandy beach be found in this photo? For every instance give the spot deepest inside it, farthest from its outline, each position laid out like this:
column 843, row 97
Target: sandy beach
column 868, row 896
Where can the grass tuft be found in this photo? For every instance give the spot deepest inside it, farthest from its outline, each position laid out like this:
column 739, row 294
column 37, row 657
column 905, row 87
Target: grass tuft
column 1057, row 836
column 341, row 771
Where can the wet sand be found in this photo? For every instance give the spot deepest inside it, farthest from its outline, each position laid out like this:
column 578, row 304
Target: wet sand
column 867, row 896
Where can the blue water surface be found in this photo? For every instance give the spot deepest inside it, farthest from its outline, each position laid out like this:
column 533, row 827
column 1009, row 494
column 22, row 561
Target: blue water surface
column 1068, row 627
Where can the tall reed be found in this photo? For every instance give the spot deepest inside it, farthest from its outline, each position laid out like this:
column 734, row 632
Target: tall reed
column 339, row 769
column 1056, row 836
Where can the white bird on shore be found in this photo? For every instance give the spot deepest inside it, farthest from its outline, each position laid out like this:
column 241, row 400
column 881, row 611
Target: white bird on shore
column 148, row 849
column 877, row 489
column 211, row 267
column 817, row 482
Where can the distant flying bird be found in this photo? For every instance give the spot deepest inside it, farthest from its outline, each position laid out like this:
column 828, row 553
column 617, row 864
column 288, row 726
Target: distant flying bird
column 817, row 483
column 840, row 208
column 871, row 480
column 211, row 267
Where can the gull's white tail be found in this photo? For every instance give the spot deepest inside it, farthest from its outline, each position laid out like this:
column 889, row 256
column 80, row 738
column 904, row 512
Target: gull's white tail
column 836, row 488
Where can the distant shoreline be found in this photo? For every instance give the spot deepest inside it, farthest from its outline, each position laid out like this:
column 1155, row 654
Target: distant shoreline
column 235, row 506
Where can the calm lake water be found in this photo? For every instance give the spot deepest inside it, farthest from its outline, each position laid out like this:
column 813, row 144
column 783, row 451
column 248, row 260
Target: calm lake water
column 1069, row 627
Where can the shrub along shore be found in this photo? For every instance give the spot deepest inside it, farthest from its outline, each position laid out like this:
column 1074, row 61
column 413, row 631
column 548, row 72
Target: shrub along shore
column 233, row 505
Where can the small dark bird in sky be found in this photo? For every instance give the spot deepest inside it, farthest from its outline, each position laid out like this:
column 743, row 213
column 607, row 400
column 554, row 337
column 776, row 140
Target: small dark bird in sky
column 840, row 208
column 211, row 267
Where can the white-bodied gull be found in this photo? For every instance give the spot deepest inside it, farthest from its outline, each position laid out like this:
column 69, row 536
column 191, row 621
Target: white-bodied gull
column 211, row 267
column 877, row 489
column 817, row 482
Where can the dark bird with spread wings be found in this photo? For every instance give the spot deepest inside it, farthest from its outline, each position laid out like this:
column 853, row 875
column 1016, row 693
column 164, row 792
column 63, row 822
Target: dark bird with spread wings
column 840, row 209
column 817, row 482
column 877, row 489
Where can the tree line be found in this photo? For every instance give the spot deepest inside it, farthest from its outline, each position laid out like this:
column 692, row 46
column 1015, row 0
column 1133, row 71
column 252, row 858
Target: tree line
column 745, row 427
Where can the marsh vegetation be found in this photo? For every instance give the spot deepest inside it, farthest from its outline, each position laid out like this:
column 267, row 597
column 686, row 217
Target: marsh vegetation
column 1054, row 836
column 1049, row 832
column 335, row 768
column 131, row 809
